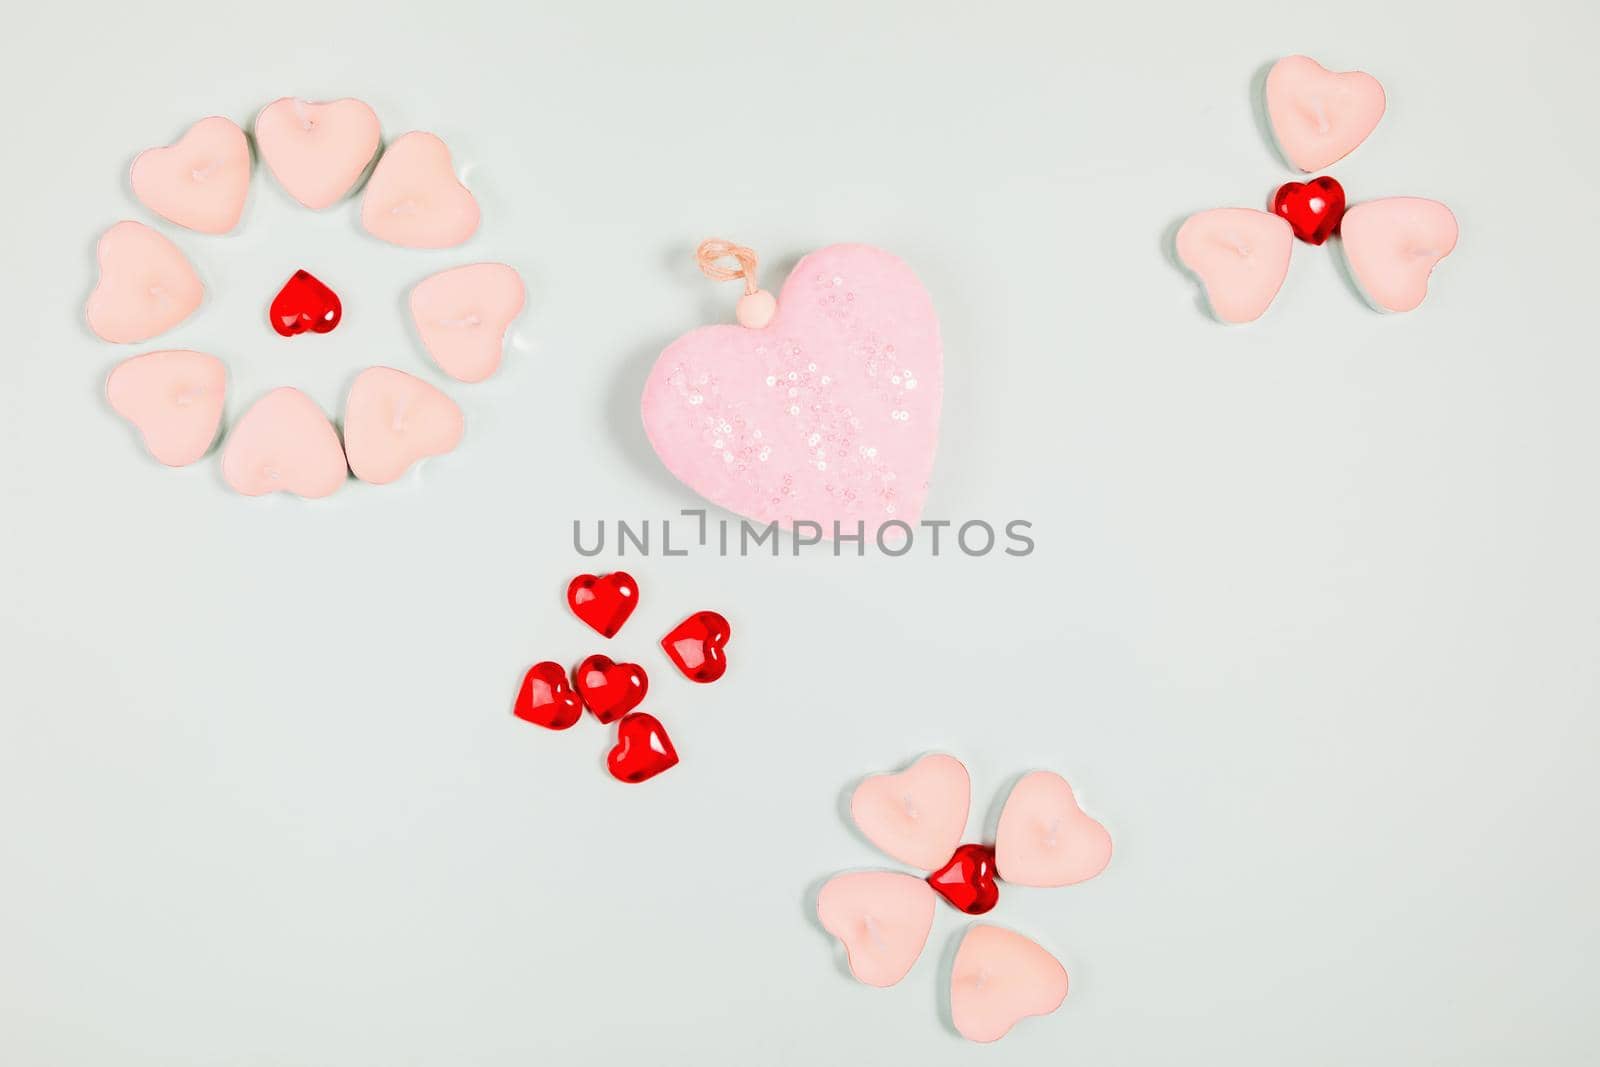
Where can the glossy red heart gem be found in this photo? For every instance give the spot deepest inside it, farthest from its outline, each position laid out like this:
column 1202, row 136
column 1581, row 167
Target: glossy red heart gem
column 1313, row 209
column 643, row 749
column 695, row 646
column 304, row 303
column 546, row 698
column 968, row 880
column 604, row 603
column 609, row 689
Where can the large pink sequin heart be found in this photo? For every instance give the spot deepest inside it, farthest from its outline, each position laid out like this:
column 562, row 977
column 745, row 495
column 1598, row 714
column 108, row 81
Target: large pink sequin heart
column 829, row 413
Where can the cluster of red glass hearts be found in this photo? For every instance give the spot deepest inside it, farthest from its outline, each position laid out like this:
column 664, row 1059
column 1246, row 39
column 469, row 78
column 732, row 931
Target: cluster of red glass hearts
column 1312, row 209
column 611, row 690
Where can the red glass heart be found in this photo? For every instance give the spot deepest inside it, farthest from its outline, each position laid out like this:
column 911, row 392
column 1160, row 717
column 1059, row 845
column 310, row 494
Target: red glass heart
column 609, row 689
column 546, row 697
column 968, row 880
column 304, row 303
column 695, row 646
column 643, row 749
column 604, row 603
column 1313, row 209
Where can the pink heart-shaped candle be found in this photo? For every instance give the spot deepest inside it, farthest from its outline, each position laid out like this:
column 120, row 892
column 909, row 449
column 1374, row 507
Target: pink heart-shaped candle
column 201, row 180
column 284, row 444
column 317, row 151
column 414, row 198
column 999, row 979
column 462, row 316
column 1392, row 246
column 146, row 287
column 1044, row 838
column 881, row 918
column 829, row 413
column 1241, row 256
column 918, row 815
column 1318, row 117
column 392, row 420
column 173, row 398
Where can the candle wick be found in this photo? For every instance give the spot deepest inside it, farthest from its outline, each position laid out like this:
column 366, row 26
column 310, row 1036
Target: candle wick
column 1320, row 115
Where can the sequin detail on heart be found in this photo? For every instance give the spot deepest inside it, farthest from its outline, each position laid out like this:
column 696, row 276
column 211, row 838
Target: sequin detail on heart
column 827, row 412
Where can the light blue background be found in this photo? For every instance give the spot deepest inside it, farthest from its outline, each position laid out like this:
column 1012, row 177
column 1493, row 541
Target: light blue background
column 1312, row 623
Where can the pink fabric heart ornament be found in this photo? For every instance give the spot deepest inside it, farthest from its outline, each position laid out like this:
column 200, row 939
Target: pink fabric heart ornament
column 828, row 414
